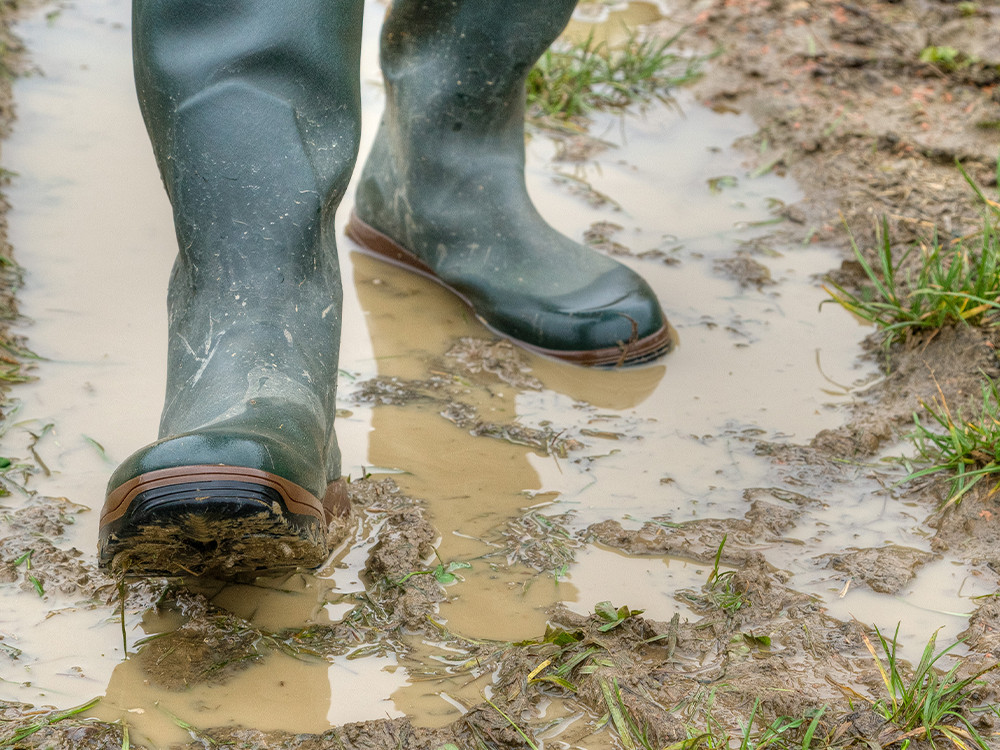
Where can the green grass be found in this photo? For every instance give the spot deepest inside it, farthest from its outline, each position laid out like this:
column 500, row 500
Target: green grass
column 630, row 732
column 969, row 449
column 947, row 59
column 806, row 732
column 926, row 704
column 948, row 283
column 922, row 289
column 571, row 80
column 721, row 588
column 785, row 733
column 524, row 736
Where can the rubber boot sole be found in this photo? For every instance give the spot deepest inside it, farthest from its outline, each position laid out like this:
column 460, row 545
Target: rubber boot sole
column 224, row 522
column 372, row 242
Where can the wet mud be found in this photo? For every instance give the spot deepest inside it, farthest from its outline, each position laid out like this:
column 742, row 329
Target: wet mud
column 774, row 537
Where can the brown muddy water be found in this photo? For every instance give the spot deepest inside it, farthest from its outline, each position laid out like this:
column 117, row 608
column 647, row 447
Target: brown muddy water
column 673, row 440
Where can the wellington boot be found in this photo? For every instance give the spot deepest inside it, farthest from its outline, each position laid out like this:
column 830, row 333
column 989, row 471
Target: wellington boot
column 253, row 111
column 443, row 192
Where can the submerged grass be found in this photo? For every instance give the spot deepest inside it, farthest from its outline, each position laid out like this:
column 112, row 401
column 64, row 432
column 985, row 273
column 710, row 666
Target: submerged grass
column 574, row 79
column 969, row 449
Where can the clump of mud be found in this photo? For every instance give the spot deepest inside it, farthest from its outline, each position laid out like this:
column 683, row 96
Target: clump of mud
column 498, row 357
column 600, row 236
column 223, row 548
column 464, row 377
column 30, row 557
column 883, row 569
column 764, row 522
column 24, row 726
column 746, row 271
column 971, row 528
column 543, row 543
column 208, row 647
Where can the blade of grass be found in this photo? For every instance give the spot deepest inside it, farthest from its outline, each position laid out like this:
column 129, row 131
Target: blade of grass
column 47, row 720
column 513, row 723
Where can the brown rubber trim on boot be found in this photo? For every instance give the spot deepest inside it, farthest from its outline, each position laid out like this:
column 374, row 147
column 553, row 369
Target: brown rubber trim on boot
column 297, row 499
column 373, row 242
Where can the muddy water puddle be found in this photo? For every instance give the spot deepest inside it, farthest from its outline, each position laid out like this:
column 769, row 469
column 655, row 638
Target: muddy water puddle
column 497, row 443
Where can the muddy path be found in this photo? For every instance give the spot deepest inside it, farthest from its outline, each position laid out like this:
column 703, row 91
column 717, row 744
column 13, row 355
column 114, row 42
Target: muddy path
column 680, row 555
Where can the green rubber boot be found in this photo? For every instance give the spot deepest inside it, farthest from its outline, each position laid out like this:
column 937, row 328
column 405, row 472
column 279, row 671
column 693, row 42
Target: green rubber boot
column 253, row 110
column 443, row 191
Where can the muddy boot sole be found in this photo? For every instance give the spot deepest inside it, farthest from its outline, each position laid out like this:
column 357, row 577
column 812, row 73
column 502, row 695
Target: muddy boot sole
column 220, row 522
column 632, row 352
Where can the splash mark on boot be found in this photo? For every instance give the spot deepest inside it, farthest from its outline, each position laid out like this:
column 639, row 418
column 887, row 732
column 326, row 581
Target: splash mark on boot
column 204, row 361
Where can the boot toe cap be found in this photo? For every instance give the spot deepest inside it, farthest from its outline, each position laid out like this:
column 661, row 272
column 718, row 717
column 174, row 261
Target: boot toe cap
column 616, row 319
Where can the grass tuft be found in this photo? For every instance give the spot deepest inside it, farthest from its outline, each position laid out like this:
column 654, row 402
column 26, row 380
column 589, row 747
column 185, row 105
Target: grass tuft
column 926, row 704
column 809, row 731
column 970, row 449
column 950, row 284
column 571, row 80
column 630, row 732
column 721, row 587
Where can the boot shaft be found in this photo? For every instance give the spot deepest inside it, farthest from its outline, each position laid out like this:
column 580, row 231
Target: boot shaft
column 463, row 63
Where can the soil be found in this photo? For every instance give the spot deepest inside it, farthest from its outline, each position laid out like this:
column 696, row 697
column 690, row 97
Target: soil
column 846, row 105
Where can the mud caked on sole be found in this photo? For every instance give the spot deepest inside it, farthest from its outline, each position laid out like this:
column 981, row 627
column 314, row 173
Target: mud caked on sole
column 214, row 548
column 214, row 525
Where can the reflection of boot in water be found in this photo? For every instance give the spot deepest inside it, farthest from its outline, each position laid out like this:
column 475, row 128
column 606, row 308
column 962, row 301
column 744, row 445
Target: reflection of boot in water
column 253, row 111
column 443, row 190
